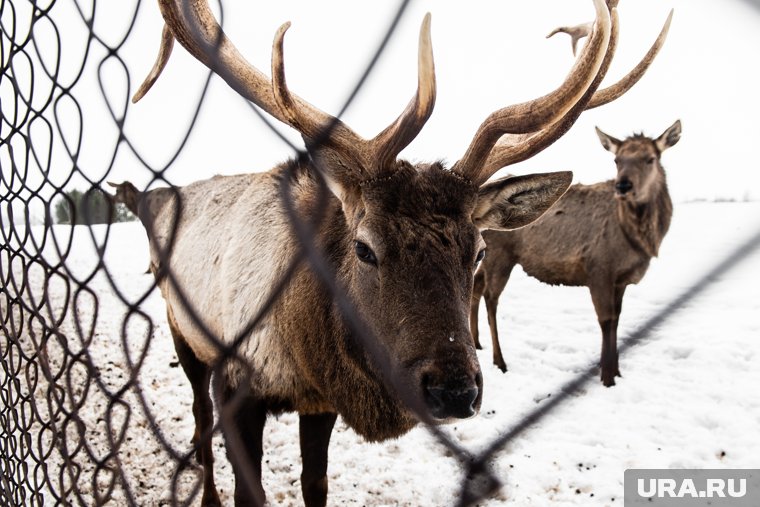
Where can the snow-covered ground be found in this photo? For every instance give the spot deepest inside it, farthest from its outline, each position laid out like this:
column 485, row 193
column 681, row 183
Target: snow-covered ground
column 689, row 396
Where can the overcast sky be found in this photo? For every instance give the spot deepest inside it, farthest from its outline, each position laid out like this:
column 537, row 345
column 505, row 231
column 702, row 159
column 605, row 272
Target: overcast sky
column 488, row 54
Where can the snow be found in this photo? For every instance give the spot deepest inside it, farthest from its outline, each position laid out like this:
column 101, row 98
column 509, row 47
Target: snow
column 688, row 397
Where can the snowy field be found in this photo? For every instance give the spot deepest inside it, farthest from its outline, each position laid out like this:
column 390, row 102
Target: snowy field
column 689, row 396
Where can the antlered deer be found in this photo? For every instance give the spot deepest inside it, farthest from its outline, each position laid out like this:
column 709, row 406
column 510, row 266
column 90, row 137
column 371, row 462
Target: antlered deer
column 599, row 236
column 402, row 241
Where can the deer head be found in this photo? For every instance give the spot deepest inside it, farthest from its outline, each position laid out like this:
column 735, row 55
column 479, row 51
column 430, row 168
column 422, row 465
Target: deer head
column 637, row 158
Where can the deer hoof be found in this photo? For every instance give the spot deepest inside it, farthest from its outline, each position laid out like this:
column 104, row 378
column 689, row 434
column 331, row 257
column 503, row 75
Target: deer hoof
column 607, row 379
column 211, row 498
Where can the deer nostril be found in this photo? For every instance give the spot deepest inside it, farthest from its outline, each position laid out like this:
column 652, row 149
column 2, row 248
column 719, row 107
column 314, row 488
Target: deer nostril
column 623, row 186
column 445, row 402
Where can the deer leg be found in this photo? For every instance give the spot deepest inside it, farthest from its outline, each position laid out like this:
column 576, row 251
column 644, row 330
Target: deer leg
column 609, row 355
column 495, row 281
column 203, row 411
column 479, row 284
column 243, row 418
column 314, row 431
column 619, row 292
column 606, row 305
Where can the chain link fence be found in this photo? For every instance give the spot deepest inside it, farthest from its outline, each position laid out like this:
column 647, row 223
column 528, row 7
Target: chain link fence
column 79, row 422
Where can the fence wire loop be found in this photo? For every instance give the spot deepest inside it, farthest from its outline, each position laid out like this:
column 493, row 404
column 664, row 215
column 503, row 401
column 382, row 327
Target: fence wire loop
column 74, row 423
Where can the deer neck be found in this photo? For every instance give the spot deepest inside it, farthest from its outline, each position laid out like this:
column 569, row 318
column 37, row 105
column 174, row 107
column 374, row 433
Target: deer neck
column 645, row 223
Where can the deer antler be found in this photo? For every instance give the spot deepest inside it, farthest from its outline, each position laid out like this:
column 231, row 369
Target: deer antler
column 384, row 148
column 193, row 24
column 512, row 149
column 400, row 133
column 539, row 113
column 613, row 92
column 164, row 52
column 515, row 147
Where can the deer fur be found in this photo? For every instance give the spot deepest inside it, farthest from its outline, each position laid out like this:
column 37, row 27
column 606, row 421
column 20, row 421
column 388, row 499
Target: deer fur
column 600, row 236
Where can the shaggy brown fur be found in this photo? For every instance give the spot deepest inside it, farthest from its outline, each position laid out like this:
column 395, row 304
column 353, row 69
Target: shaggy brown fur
column 599, row 236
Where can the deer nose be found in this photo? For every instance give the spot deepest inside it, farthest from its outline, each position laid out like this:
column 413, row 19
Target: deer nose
column 451, row 400
column 623, row 186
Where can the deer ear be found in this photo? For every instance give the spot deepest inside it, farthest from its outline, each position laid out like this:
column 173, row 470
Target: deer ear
column 670, row 137
column 610, row 143
column 338, row 173
column 512, row 202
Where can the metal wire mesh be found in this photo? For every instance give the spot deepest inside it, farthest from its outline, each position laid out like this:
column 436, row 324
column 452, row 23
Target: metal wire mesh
column 76, row 423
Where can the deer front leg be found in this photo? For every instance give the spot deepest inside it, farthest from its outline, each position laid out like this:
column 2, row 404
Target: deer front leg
column 315, row 431
column 609, row 359
column 608, row 304
column 496, row 278
column 619, row 292
column 243, row 418
column 203, row 411
column 492, row 302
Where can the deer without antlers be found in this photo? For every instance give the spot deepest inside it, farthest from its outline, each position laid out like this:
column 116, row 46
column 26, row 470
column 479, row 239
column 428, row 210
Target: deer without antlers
column 401, row 240
column 599, row 236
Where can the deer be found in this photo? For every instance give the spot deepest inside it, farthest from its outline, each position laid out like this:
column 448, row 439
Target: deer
column 601, row 236
column 372, row 321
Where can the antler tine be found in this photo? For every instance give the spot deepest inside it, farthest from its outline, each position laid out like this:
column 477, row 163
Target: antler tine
column 164, row 52
column 537, row 114
column 613, row 92
column 389, row 143
column 317, row 127
column 576, row 33
column 383, row 149
column 194, row 26
column 513, row 149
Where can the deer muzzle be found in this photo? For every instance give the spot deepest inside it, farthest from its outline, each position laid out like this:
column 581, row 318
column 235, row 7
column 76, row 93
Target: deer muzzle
column 453, row 398
column 623, row 186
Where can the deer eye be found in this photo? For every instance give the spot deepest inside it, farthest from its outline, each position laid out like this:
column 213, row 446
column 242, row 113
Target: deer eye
column 480, row 256
column 650, row 160
column 365, row 253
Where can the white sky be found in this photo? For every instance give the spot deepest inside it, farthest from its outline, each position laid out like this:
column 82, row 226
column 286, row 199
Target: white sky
column 489, row 53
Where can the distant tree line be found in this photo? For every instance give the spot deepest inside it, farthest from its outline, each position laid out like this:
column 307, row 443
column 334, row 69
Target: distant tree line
column 91, row 207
